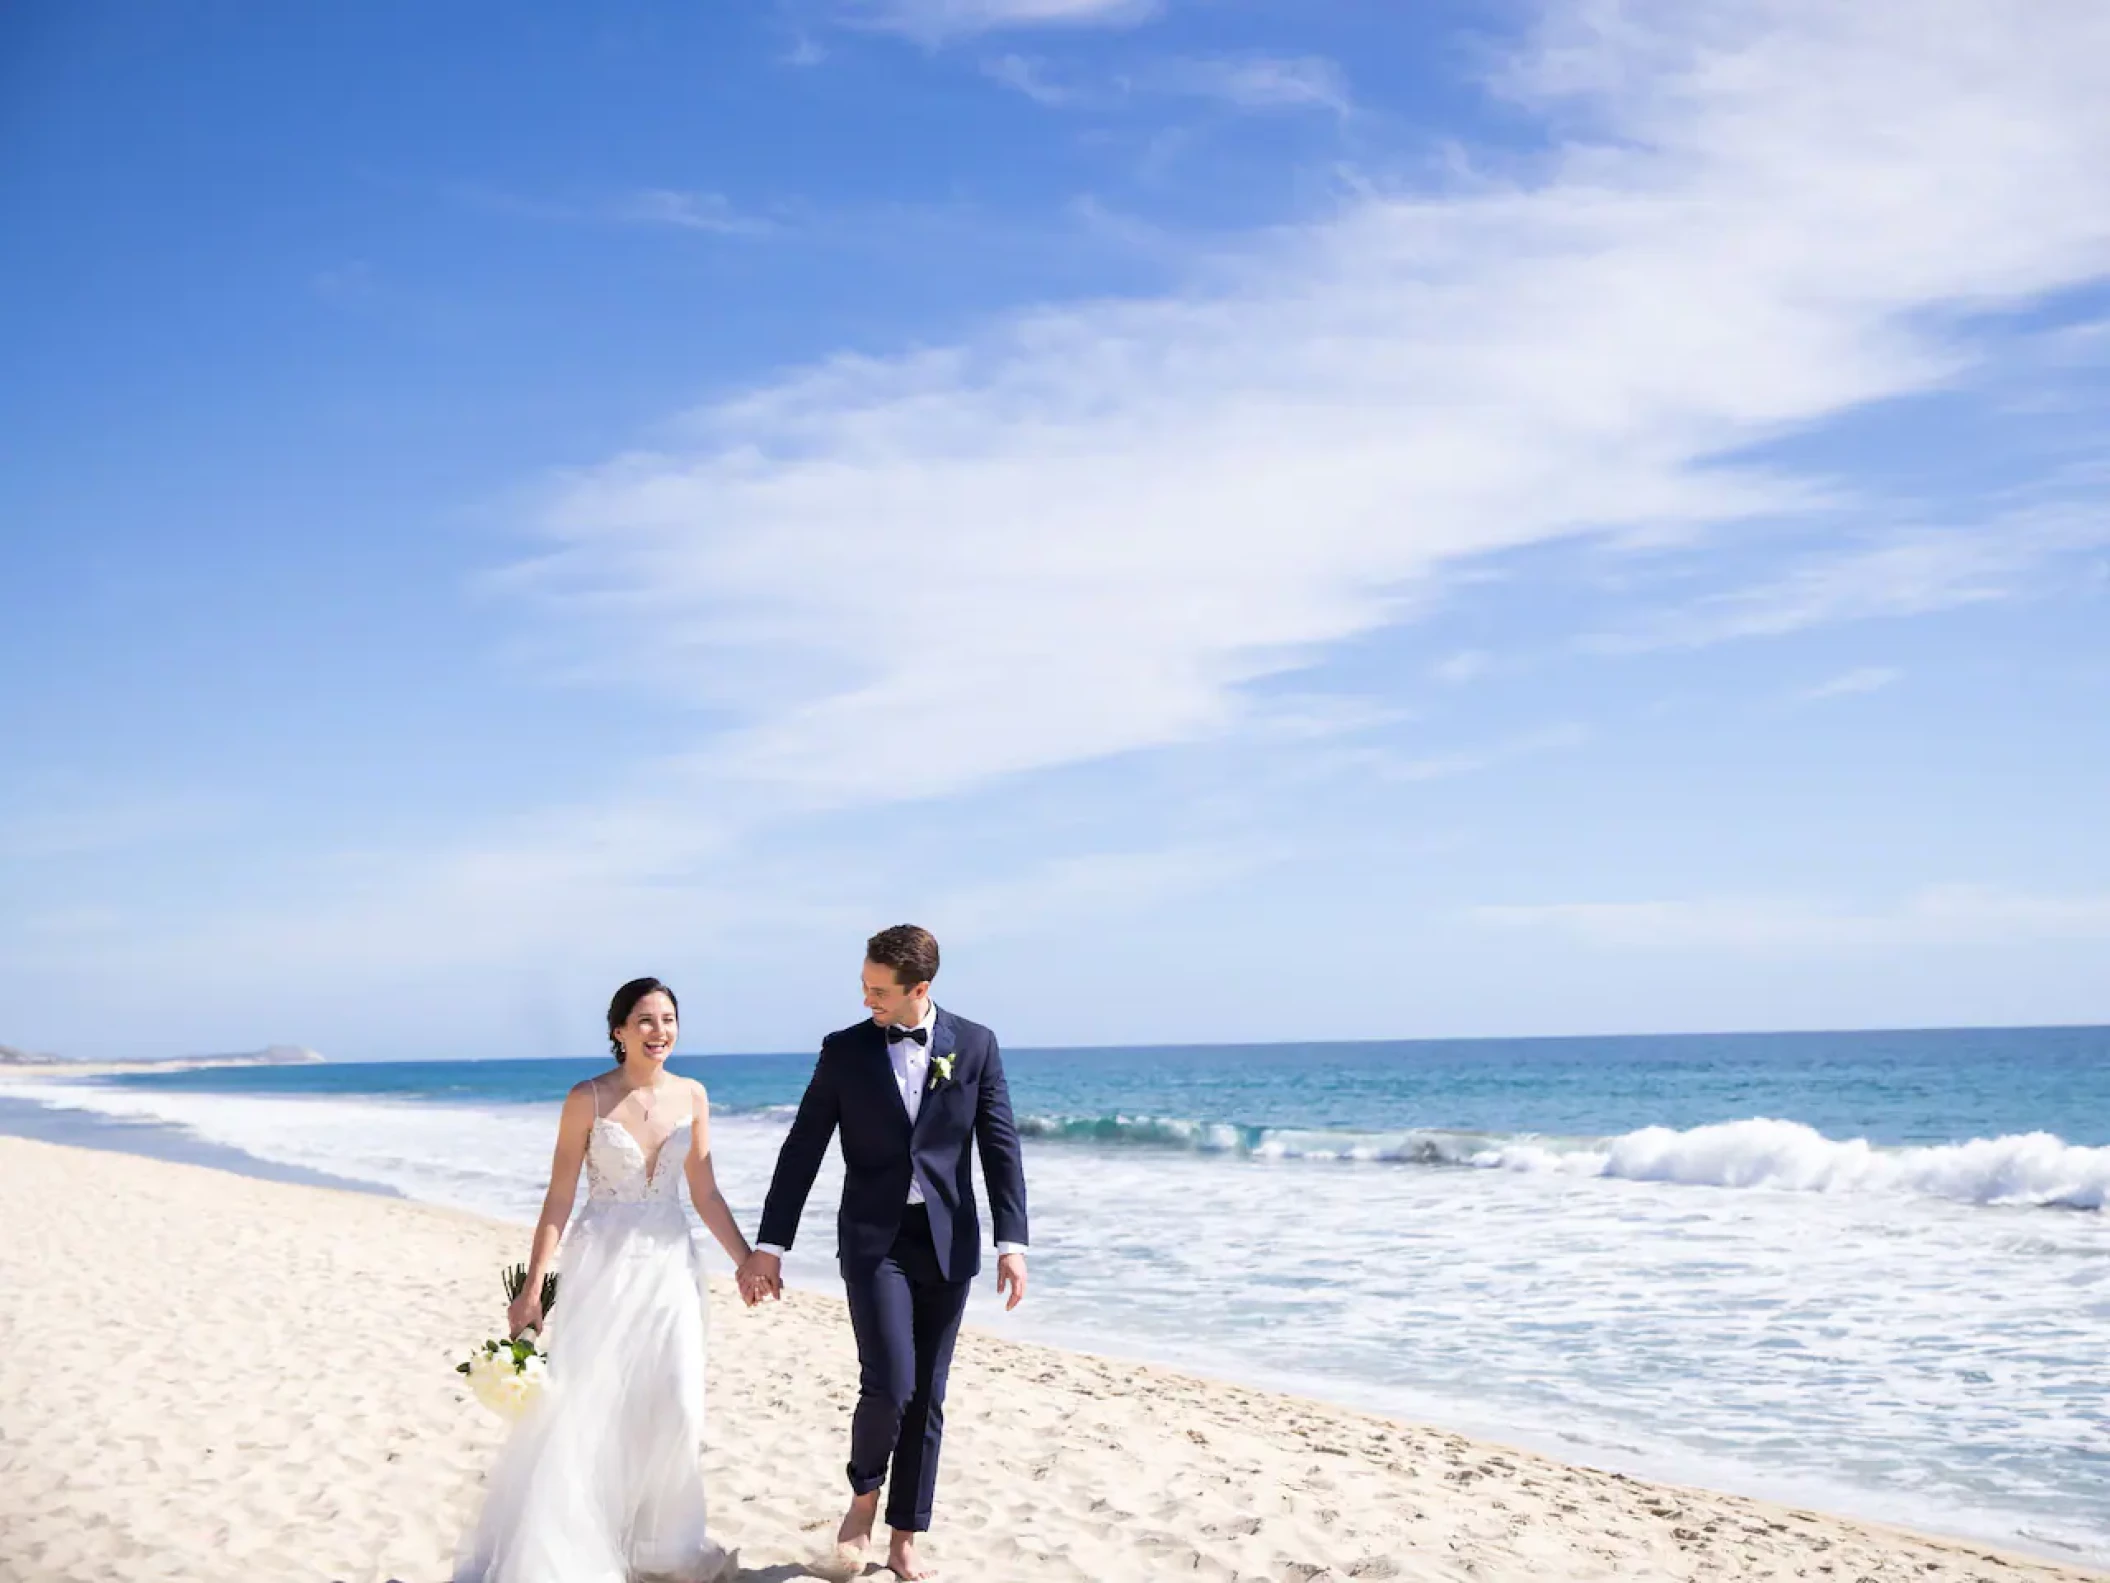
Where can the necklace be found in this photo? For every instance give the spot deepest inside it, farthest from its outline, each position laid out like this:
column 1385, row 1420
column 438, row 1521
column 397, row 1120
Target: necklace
column 648, row 1095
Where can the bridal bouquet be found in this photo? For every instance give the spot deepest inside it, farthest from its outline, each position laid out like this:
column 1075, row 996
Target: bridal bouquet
column 507, row 1376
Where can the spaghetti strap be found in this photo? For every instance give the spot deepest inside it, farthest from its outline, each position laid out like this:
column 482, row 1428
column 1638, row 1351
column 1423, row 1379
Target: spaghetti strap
column 594, row 1083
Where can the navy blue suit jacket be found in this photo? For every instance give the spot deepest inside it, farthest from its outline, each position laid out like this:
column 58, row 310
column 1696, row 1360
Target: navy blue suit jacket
column 853, row 1091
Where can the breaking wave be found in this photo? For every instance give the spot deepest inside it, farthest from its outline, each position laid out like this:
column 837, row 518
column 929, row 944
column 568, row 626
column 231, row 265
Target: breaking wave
column 2032, row 1169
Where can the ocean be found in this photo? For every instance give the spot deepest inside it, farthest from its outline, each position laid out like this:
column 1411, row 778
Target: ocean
column 1868, row 1272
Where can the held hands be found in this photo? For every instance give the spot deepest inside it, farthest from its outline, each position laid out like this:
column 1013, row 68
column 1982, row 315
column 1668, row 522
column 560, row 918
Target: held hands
column 760, row 1275
column 1011, row 1278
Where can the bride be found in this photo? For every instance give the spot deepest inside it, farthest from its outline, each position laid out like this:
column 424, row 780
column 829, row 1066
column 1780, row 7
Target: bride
column 602, row 1481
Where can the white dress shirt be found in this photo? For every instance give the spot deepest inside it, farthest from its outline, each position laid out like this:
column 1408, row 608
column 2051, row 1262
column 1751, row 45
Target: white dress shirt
column 911, row 1071
column 911, row 1063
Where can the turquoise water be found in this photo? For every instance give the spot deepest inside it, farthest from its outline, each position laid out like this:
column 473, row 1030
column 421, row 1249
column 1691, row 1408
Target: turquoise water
column 1928, row 1087
column 1869, row 1271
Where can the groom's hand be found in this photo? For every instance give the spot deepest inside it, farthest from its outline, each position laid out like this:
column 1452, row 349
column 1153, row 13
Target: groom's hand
column 761, row 1275
column 1011, row 1278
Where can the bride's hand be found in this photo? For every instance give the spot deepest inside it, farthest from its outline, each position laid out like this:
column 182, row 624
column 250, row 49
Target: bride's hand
column 524, row 1312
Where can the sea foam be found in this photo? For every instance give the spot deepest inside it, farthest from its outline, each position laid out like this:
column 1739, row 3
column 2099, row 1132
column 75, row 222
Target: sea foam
column 2030, row 1169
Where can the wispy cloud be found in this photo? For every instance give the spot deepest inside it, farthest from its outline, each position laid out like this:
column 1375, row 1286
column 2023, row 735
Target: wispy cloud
column 673, row 207
column 1114, row 519
column 1130, row 511
column 1466, row 665
column 1868, row 679
column 1258, row 82
column 936, row 21
column 1255, row 83
column 1468, row 761
column 1311, row 717
column 1088, row 888
column 1937, row 915
column 1906, row 573
column 688, row 211
column 1030, row 77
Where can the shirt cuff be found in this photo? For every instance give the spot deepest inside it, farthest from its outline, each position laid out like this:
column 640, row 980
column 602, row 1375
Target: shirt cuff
column 1003, row 1248
column 769, row 1247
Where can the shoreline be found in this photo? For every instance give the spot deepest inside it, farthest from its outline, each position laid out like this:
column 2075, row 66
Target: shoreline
column 1800, row 1487
column 1056, row 1455
column 43, row 1071
column 160, row 1140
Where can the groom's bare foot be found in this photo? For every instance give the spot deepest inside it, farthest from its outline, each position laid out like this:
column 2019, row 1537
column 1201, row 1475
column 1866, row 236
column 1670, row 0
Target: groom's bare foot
column 901, row 1557
column 855, row 1535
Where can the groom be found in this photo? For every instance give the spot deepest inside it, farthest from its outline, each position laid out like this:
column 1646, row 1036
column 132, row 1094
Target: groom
column 909, row 1089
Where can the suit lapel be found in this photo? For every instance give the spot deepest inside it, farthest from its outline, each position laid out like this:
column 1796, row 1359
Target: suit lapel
column 942, row 1037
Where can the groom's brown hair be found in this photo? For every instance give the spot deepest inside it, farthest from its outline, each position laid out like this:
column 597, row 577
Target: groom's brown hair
column 911, row 952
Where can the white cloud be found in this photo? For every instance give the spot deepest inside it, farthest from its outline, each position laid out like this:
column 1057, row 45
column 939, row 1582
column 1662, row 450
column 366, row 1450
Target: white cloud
column 1120, row 514
column 1246, row 82
column 1085, row 888
column 616, row 876
column 1029, row 77
column 687, row 211
column 1906, row 573
column 1468, row 761
column 652, row 206
column 1937, row 915
column 935, row 21
column 1110, row 519
column 1467, row 665
column 1260, row 82
column 1868, row 679
column 1313, row 717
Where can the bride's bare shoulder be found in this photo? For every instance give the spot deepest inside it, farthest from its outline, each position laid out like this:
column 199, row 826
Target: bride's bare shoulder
column 587, row 1092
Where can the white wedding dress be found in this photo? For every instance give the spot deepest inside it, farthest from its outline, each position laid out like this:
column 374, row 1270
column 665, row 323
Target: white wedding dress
column 602, row 1481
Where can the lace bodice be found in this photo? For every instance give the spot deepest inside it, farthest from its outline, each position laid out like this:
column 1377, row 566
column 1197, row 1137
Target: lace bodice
column 617, row 1171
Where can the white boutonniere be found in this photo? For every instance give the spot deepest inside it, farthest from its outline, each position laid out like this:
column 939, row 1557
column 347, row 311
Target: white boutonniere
column 942, row 1065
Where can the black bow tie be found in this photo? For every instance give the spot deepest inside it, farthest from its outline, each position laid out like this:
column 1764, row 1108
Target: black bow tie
column 895, row 1035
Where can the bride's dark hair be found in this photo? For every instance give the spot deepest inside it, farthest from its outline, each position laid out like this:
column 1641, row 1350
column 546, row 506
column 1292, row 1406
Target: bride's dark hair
column 625, row 1003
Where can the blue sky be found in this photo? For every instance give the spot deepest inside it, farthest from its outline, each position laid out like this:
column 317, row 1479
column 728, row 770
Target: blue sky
column 1251, row 519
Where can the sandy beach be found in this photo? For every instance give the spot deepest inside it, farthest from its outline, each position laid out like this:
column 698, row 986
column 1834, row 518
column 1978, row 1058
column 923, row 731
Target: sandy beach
column 206, row 1376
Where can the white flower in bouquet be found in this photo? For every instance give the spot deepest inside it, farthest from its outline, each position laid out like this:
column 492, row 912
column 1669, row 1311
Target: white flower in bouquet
column 508, row 1376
